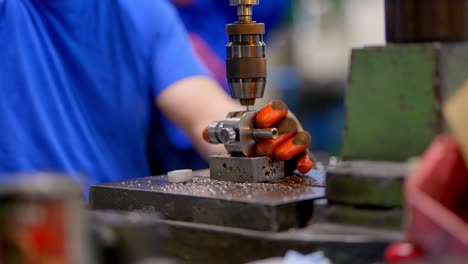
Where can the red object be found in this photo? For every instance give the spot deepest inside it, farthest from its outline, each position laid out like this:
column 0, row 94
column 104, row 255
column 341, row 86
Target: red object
column 271, row 114
column 304, row 164
column 206, row 55
column 436, row 197
column 266, row 147
column 402, row 252
column 293, row 146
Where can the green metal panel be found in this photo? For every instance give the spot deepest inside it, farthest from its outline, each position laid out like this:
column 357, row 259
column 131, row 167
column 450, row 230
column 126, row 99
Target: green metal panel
column 392, row 105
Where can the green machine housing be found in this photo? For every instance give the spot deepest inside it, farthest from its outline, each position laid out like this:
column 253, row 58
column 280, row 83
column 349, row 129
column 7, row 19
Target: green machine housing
column 394, row 97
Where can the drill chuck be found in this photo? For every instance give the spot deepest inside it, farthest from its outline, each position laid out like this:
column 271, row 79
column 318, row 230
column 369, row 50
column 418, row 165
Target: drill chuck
column 245, row 55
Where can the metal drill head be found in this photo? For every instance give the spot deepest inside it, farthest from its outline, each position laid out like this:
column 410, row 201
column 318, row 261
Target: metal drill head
column 247, row 90
column 244, row 2
column 245, row 55
column 244, row 9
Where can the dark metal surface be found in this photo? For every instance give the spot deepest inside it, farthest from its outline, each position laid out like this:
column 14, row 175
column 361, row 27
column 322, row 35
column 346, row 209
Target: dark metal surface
column 409, row 21
column 391, row 218
column 114, row 234
column 260, row 206
column 200, row 243
column 366, row 183
column 243, row 169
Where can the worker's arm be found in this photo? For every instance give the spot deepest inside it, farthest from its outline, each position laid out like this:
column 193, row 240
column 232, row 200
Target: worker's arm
column 182, row 88
column 193, row 103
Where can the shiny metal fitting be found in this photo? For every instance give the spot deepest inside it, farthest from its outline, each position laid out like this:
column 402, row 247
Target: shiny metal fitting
column 238, row 134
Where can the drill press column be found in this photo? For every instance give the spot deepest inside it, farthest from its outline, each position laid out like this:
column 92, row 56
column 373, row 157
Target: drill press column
column 245, row 55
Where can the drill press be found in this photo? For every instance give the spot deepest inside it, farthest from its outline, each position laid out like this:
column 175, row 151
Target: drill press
column 245, row 55
column 246, row 75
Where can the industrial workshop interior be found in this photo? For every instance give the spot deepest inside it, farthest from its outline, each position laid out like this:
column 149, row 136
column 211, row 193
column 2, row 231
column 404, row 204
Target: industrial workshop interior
column 233, row 131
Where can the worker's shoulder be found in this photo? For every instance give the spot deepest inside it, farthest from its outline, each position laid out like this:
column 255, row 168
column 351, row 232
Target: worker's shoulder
column 144, row 8
column 147, row 14
column 3, row 3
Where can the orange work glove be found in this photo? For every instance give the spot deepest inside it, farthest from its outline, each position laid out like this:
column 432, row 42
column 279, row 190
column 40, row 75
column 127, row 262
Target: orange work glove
column 289, row 144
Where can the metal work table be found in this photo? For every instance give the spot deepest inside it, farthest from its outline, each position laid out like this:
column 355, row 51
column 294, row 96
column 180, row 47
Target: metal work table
column 207, row 221
column 257, row 206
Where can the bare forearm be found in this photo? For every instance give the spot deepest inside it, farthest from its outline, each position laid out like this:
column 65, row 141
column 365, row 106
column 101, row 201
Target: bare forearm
column 192, row 104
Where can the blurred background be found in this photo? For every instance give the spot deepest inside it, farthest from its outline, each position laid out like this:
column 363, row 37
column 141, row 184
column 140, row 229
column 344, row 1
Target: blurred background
column 309, row 61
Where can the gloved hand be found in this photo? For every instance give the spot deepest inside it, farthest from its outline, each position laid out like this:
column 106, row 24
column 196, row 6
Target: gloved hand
column 290, row 144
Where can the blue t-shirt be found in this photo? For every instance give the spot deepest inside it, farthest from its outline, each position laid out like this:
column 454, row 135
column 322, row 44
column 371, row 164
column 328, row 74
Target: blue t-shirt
column 78, row 82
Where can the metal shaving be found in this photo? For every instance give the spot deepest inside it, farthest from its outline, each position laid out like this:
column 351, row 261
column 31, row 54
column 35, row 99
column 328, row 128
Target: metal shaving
column 205, row 187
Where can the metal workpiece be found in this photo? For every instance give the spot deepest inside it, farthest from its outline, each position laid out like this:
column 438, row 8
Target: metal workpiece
column 245, row 55
column 238, row 134
column 242, row 169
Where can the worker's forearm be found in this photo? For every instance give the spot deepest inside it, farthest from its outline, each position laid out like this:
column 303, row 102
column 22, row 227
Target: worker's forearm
column 192, row 104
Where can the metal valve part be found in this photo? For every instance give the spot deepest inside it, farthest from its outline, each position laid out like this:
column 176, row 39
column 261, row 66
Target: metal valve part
column 238, row 134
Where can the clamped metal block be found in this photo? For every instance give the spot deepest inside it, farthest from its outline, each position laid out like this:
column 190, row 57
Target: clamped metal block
column 244, row 169
column 239, row 136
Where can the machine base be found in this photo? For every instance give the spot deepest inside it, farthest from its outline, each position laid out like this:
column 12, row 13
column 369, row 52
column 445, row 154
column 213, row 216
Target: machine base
column 244, row 169
column 256, row 206
column 200, row 243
